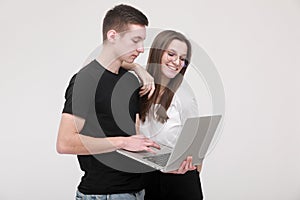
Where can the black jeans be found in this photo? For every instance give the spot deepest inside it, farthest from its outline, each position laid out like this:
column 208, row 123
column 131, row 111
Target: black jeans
column 164, row 186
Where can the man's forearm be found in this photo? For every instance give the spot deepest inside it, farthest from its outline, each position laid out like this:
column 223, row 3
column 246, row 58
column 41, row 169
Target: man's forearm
column 86, row 145
column 69, row 141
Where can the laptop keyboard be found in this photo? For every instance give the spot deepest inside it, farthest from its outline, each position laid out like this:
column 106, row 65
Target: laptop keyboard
column 160, row 160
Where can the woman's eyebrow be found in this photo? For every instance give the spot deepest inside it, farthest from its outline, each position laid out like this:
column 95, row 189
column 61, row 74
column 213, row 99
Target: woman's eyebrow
column 174, row 51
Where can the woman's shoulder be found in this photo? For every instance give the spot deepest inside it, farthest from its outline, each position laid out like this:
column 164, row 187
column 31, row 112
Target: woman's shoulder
column 185, row 93
column 186, row 100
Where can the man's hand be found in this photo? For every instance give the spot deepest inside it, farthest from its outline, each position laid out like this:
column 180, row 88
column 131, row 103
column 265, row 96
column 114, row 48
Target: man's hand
column 146, row 79
column 186, row 165
column 139, row 143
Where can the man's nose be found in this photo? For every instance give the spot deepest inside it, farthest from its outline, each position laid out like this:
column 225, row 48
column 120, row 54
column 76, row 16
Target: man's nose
column 140, row 49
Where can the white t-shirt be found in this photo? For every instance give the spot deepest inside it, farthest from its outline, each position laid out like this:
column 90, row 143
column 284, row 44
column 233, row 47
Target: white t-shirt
column 183, row 105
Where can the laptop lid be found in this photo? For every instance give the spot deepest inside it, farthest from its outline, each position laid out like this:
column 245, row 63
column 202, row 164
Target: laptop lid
column 194, row 140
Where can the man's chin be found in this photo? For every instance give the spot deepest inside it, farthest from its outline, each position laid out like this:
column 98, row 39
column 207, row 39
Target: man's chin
column 130, row 60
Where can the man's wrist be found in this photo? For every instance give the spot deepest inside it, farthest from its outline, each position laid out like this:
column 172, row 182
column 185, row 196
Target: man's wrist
column 118, row 142
column 135, row 67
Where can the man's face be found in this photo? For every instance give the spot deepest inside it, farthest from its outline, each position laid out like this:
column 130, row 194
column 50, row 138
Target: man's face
column 131, row 43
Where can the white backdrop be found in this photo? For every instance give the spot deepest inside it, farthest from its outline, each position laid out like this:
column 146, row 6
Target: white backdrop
column 252, row 43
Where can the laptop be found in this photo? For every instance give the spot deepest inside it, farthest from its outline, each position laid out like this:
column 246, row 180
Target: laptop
column 194, row 140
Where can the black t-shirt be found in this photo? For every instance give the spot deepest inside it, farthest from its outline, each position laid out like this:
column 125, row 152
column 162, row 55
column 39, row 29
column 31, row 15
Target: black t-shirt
column 108, row 102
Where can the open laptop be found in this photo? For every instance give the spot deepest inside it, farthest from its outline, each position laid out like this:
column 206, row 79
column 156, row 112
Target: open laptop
column 194, row 140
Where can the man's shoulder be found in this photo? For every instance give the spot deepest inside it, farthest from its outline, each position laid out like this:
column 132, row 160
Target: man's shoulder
column 130, row 75
column 92, row 69
column 87, row 76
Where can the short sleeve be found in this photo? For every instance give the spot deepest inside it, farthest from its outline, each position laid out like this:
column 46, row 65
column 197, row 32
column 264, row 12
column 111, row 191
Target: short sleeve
column 80, row 94
column 68, row 96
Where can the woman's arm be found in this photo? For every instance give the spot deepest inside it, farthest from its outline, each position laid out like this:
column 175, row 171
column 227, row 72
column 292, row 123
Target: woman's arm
column 199, row 168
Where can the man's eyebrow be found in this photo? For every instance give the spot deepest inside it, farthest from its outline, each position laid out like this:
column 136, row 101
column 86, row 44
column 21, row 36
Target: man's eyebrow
column 139, row 37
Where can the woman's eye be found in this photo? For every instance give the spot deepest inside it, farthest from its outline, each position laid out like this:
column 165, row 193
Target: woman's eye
column 182, row 59
column 135, row 41
column 171, row 54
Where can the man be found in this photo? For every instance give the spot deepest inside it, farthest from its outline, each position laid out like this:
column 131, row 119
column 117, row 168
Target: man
column 102, row 101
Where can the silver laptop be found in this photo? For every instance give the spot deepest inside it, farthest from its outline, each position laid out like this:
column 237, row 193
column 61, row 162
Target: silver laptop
column 194, row 140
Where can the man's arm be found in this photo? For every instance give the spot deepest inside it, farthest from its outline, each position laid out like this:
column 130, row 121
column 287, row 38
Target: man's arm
column 146, row 79
column 69, row 141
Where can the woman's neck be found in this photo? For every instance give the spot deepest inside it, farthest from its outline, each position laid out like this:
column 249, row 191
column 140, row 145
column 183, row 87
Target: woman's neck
column 164, row 81
column 160, row 93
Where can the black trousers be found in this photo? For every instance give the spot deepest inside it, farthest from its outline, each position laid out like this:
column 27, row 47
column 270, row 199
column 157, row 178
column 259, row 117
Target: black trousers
column 164, row 186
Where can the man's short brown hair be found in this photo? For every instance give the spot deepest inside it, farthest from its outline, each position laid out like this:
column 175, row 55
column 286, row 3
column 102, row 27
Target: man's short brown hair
column 119, row 17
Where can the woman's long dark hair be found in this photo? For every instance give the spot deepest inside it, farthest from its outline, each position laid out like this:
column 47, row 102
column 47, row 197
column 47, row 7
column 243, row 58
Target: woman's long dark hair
column 159, row 45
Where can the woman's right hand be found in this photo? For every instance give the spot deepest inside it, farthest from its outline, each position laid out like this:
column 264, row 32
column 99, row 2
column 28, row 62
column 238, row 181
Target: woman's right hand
column 186, row 165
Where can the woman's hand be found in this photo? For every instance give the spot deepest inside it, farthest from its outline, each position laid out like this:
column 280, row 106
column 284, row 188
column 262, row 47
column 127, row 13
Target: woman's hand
column 186, row 165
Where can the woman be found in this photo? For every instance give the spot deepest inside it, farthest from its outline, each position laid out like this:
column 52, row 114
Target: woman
column 164, row 113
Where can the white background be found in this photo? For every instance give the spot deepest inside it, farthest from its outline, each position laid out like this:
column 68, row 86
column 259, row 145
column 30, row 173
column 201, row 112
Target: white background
column 254, row 44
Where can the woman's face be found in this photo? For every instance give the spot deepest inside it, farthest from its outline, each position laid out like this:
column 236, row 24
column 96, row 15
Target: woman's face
column 173, row 59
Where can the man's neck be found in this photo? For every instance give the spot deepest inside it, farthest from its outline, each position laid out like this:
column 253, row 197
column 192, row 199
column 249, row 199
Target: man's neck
column 107, row 59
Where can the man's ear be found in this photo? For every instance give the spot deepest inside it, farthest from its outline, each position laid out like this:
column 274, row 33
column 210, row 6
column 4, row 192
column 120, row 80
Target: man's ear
column 112, row 35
